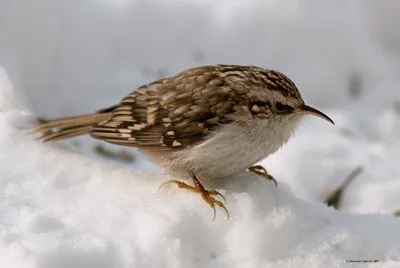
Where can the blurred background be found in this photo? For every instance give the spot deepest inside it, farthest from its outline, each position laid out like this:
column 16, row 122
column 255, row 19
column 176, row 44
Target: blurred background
column 77, row 56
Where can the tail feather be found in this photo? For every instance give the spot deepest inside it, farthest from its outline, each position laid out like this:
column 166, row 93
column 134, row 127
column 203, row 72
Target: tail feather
column 65, row 133
column 68, row 127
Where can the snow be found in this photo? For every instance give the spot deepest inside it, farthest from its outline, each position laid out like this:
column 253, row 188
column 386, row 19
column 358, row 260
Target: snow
column 63, row 205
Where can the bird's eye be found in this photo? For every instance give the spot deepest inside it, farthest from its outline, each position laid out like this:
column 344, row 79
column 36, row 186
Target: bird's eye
column 280, row 107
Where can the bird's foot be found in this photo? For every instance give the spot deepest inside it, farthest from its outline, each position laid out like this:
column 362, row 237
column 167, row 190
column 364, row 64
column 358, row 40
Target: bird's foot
column 260, row 170
column 205, row 194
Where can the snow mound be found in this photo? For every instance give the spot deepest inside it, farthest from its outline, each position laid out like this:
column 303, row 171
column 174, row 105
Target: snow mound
column 62, row 209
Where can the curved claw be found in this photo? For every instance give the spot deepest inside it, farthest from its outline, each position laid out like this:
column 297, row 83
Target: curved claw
column 272, row 179
column 168, row 182
column 215, row 211
column 260, row 170
column 226, row 211
column 211, row 201
column 214, row 192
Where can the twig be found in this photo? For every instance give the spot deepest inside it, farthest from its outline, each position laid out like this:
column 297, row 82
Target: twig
column 334, row 198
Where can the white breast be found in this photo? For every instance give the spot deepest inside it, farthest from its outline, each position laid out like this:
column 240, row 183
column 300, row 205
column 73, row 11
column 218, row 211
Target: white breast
column 234, row 148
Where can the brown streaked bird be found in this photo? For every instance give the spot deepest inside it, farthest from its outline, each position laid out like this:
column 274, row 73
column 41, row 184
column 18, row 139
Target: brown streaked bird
column 207, row 123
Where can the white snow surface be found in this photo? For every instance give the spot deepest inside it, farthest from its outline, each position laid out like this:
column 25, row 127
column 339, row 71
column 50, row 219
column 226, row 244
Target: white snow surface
column 61, row 206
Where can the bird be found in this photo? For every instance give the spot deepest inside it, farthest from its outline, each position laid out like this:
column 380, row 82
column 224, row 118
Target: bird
column 206, row 123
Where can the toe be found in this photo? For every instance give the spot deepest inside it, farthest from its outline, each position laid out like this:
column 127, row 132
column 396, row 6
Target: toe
column 222, row 206
column 212, row 202
column 214, row 192
column 167, row 182
column 179, row 184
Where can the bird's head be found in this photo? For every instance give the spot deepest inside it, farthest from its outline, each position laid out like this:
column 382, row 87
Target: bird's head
column 277, row 96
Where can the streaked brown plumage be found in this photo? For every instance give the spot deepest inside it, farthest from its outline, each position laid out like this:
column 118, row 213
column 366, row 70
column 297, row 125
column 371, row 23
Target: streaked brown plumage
column 173, row 112
column 188, row 122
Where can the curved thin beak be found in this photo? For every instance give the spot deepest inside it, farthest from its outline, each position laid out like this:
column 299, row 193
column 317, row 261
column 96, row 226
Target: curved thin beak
column 305, row 109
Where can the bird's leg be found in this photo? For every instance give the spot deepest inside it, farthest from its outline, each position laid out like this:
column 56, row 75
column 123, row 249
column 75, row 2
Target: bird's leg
column 260, row 170
column 205, row 194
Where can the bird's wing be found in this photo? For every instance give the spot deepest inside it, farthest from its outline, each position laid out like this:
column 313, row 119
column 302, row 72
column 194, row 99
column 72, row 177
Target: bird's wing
column 169, row 114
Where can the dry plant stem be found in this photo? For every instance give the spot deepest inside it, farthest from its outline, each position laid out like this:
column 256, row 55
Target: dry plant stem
column 334, row 198
column 205, row 194
column 260, row 170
